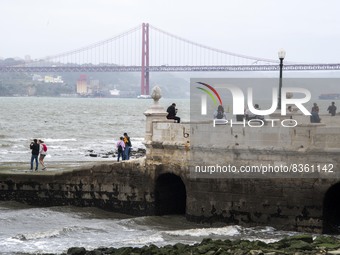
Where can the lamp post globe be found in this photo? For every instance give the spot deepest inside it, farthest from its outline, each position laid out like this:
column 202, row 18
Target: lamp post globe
column 281, row 54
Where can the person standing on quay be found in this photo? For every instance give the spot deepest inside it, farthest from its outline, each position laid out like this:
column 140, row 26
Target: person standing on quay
column 34, row 146
column 314, row 118
column 127, row 146
column 332, row 109
column 120, row 148
column 43, row 152
column 220, row 113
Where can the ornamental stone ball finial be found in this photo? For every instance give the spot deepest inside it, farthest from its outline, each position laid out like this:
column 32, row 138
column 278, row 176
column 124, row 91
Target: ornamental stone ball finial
column 156, row 94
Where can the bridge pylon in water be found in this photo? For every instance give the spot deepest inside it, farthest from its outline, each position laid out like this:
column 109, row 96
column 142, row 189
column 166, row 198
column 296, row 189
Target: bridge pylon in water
column 145, row 60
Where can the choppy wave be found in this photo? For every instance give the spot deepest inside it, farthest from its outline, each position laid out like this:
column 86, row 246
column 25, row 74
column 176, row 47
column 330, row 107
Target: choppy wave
column 54, row 229
column 51, row 140
column 4, row 152
column 202, row 232
column 55, row 233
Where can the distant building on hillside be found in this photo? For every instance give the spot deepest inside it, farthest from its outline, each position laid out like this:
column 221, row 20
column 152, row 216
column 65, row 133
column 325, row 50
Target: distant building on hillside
column 47, row 78
column 93, row 88
column 82, row 85
column 37, row 77
column 51, row 79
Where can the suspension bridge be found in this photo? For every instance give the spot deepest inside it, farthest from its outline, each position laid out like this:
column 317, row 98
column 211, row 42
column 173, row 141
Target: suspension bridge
column 146, row 49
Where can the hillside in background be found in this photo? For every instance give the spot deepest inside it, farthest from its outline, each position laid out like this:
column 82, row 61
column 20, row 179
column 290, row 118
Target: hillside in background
column 173, row 85
column 22, row 84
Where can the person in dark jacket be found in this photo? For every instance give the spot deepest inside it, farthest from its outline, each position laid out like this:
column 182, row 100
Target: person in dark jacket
column 35, row 147
column 128, row 145
column 172, row 111
column 332, row 109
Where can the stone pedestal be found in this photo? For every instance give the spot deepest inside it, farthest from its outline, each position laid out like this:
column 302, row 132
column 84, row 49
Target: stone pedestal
column 155, row 113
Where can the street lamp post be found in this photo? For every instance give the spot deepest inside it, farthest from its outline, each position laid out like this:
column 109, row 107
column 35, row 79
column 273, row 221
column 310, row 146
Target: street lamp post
column 281, row 54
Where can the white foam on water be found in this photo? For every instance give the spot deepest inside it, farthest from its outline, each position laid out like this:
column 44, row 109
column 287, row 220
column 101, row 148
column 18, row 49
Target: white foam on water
column 4, row 152
column 204, row 232
column 20, row 139
column 17, row 152
column 52, row 140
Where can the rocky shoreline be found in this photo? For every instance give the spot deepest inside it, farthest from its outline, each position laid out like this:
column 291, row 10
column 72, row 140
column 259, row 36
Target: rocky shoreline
column 135, row 153
column 294, row 245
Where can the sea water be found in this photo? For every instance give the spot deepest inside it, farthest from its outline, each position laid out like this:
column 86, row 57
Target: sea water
column 25, row 229
column 72, row 128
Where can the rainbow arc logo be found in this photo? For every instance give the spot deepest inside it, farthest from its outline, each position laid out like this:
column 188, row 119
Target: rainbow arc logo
column 211, row 92
column 208, row 90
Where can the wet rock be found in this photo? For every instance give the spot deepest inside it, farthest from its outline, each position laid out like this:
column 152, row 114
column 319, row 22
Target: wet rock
column 329, row 246
column 204, row 249
column 324, row 239
column 76, row 251
column 336, row 252
column 238, row 252
column 110, row 250
column 256, row 252
column 260, row 244
column 295, row 245
column 122, row 251
column 94, row 252
column 134, row 153
column 327, row 242
column 306, row 238
column 300, row 245
column 180, row 247
column 20, row 237
column 295, row 242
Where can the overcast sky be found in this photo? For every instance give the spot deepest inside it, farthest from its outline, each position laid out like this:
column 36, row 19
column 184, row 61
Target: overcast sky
column 309, row 30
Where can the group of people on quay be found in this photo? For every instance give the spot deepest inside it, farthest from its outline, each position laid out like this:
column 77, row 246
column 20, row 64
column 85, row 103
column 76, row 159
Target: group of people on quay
column 315, row 118
column 124, row 147
column 39, row 149
column 248, row 115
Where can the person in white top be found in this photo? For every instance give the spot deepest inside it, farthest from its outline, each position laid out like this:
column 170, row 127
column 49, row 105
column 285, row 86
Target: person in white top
column 220, row 113
column 120, row 148
column 42, row 152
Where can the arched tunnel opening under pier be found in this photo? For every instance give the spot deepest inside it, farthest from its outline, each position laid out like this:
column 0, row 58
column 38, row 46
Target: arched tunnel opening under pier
column 331, row 210
column 170, row 195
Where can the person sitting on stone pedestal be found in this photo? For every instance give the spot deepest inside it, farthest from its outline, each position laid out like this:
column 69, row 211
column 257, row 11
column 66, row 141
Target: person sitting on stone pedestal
column 172, row 111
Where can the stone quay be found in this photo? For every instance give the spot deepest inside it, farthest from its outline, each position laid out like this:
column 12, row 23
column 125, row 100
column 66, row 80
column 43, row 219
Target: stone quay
column 166, row 180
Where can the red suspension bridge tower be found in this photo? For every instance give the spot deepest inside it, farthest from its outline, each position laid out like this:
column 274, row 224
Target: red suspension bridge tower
column 145, row 60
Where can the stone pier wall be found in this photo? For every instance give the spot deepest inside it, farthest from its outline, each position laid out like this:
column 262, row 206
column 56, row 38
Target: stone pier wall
column 292, row 203
column 119, row 187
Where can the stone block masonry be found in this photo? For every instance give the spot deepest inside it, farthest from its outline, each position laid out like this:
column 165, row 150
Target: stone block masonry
column 120, row 187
